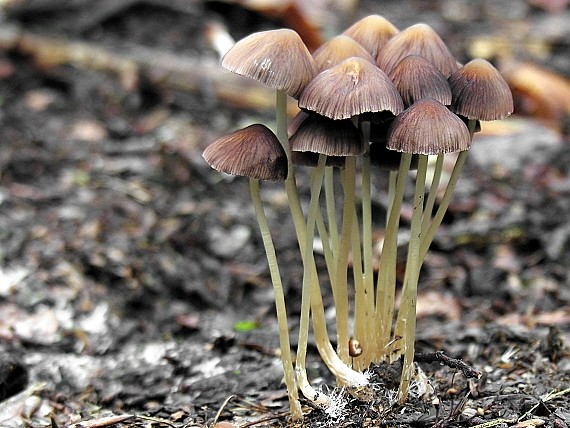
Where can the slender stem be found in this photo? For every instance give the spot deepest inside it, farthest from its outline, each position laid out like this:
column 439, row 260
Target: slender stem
column 405, row 330
column 284, row 343
column 368, row 341
column 436, row 179
column 341, row 299
column 429, row 234
column 308, row 283
column 386, row 286
column 331, row 208
column 361, row 326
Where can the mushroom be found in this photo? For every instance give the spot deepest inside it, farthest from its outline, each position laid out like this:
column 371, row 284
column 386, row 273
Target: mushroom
column 255, row 152
column 479, row 93
column 416, row 78
column 419, row 39
column 372, row 32
column 337, row 50
column 350, row 88
column 425, row 128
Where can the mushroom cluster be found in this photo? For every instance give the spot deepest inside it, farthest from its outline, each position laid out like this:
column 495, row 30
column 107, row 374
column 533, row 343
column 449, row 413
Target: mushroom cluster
column 373, row 95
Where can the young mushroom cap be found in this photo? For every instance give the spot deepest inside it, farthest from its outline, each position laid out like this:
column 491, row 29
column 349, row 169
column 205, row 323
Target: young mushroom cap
column 337, row 50
column 416, row 78
column 277, row 58
column 427, row 127
column 480, row 92
column 329, row 137
column 372, row 32
column 350, row 88
column 419, row 39
column 253, row 152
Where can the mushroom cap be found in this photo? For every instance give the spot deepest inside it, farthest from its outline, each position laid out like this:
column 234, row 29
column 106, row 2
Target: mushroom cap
column 428, row 127
column 419, row 39
column 337, row 50
column 253, row 151
column 480, row 92
column 350, row 88
column 416, row 78
column 372, row 32
column 277, row 58
column 320, row 134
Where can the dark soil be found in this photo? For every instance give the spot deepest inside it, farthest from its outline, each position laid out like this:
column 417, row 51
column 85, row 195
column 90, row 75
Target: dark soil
column 127, row 266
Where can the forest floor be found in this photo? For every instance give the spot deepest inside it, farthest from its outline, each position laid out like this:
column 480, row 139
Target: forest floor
column 134, row 290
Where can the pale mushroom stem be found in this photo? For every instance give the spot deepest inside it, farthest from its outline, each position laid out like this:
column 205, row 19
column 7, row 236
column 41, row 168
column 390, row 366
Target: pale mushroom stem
column 430, row 231
column 284, row 343
column 405, row 329
column 331, row 208
column 432, row 195
column 368, row 333
column 340, row 289
column 308, row 283
column 386, row 282
column 360, row 324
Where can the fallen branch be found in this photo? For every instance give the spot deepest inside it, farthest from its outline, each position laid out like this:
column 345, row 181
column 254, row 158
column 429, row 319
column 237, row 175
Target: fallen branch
column 165, row 70
column 454, row 363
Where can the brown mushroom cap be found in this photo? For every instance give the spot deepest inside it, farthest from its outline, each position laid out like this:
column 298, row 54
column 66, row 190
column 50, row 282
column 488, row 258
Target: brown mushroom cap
column 372, row 32
column 330, row 137
column 337, row 50
column 416, row 78
column 253, row 152
column 350, row 88
column 277, row 58
column 428, row 127
column 419, row 39
column 480, row 92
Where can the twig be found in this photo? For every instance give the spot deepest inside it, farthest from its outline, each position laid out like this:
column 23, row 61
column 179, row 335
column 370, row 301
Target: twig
column 221, row 409
column 454, row 363
column 103, row 422
column 164, row 70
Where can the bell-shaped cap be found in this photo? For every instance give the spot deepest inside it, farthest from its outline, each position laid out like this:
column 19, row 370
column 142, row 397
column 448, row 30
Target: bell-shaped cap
column 372, row 32
column 277, row 58
column 417, row 78
column 253, row 152
column 337, row 50
column 329, row 137
column 419, row 39
column 350, row 88
column 480, row 92
column 427, row 127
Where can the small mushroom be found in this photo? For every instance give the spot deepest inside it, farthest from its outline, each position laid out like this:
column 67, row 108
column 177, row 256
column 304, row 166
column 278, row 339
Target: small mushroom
column 337, row 50
column 277, row 58
column 372, row 32
column 350, row 88
column 480, row 92
column 255, row 152
column 428, row 127
column 417, row 78
column 419, row 39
